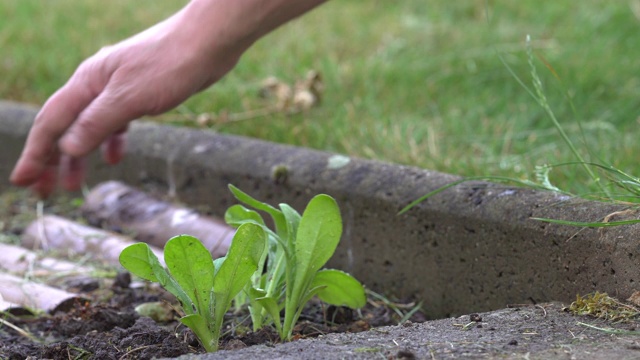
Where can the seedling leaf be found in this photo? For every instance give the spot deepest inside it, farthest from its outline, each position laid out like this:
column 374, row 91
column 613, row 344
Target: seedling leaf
column 317, row 238
column 237, row 215
column 292, row 219
column 340, row 289
column 277, row 216
column 217, row 263
column 191, row 265
column 241, row 262
column 138, row 260
column 141, row 261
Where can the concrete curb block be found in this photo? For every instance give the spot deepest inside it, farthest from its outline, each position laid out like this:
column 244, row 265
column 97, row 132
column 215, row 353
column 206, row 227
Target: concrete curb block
column 470, row 248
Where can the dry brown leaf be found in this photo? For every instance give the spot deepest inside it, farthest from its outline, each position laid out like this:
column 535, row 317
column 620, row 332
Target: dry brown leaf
column 305, row 94
column 635, row 298
column 273, row 88
column 313, row 83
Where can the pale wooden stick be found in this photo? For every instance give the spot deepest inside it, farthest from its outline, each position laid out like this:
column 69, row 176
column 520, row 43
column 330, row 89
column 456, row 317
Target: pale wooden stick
column 36, row 296
column 71, row 238
column 153, row 221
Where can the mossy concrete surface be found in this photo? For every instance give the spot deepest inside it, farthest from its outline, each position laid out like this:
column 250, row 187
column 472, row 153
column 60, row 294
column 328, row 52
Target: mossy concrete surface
column 471, row 248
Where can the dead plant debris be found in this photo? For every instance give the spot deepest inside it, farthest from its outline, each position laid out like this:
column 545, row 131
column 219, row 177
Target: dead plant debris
column 602, row 306
column 277, row 97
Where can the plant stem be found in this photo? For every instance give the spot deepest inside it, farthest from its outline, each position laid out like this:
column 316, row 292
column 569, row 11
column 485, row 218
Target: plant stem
column 215, row 339
column 273, row 281
column 289, row 319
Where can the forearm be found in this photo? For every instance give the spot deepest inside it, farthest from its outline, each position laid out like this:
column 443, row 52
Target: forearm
column 234, row 25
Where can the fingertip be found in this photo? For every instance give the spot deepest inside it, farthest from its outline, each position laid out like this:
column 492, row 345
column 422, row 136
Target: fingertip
column 113, row 148
column 46, row 184
column 72, row 171
column 16, row 178
column 26, row 172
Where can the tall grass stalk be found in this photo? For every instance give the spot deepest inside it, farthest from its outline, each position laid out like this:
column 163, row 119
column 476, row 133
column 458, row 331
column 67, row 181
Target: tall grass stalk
column 541, row 98
column 629, row 183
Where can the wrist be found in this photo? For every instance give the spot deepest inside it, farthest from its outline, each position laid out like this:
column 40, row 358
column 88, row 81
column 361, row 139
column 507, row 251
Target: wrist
column 234, row 25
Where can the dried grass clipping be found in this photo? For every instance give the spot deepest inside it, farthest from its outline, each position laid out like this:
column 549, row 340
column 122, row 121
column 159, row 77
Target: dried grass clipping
column 601, row 305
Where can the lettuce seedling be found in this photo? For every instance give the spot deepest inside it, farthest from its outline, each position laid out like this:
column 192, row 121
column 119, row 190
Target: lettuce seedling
column 204, row 287
column 298, row 248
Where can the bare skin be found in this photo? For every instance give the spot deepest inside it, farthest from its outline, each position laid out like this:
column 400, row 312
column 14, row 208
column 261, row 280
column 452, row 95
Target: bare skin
column 147, row 74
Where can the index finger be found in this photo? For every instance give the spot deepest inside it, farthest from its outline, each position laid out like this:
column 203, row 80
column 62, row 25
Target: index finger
column 55, row 117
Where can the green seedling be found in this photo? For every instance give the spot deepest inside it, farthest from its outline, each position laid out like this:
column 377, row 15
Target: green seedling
column 204, row 287
column 291, row 265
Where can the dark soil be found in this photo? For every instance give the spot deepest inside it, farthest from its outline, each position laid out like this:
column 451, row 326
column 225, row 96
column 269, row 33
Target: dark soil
column 107, row 326
column 110, row 328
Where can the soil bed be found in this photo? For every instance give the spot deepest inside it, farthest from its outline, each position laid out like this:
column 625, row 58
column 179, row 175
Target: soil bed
column 108, row 326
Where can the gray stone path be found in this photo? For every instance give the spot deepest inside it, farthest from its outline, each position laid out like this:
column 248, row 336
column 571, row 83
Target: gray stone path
column 543, row 331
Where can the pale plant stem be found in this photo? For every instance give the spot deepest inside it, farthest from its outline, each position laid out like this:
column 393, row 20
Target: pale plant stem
column 18, row 330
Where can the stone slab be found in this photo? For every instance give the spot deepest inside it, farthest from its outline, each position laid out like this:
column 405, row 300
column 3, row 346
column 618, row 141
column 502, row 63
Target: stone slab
column 543, row 332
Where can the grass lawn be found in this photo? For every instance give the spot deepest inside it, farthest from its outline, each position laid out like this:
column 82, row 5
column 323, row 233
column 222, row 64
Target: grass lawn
column 414, row 82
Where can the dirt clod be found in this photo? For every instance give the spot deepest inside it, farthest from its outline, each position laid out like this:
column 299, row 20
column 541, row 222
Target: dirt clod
column 122, row 280
column 405, row 355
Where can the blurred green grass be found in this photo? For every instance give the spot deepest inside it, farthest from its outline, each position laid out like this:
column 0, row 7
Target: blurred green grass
column 413, row 82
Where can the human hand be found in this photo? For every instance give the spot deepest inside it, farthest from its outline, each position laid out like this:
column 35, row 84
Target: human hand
column 147, row 74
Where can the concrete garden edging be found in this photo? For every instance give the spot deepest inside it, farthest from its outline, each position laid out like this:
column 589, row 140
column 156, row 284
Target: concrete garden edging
column 470, row 248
